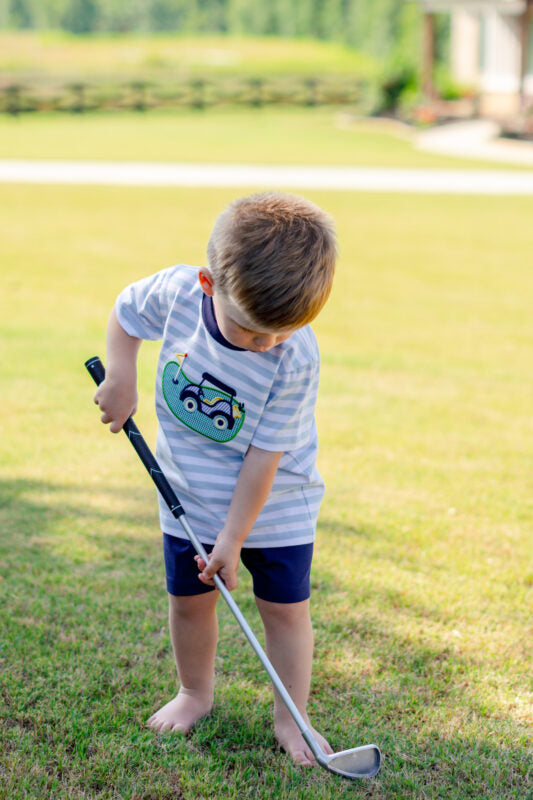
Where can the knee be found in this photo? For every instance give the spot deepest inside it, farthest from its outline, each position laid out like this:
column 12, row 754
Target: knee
column 191, row 608
column 284, row 615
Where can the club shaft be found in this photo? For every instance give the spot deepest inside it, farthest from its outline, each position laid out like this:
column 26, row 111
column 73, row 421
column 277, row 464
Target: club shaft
column 97, row 372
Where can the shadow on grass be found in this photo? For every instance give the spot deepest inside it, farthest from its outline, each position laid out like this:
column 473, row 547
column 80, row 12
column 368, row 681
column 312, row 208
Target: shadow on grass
column 86, row 657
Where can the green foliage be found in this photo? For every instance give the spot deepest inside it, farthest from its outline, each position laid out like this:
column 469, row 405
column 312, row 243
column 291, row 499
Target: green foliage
column 394, row 86
column 381, row 27
column 447, row 87
column 81, row 16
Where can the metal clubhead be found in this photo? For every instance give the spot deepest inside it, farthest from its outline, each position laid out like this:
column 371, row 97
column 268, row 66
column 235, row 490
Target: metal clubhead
column 359, row 762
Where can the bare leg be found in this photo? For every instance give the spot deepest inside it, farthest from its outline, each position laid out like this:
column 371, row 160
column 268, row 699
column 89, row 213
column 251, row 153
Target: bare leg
column 194, row 633
column 289, row 645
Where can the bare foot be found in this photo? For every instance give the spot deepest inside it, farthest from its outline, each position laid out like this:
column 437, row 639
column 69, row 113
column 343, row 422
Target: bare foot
column 291, row 740
column 182, row 712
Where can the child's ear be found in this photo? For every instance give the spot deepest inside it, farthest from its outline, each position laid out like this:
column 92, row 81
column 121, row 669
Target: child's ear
column 206, row 281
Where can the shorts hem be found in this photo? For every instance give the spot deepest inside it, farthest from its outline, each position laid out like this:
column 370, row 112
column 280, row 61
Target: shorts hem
column 282, row 600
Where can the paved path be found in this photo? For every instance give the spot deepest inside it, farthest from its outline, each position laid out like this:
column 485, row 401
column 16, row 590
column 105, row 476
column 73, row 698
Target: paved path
column 367, row 179
column 479, row 138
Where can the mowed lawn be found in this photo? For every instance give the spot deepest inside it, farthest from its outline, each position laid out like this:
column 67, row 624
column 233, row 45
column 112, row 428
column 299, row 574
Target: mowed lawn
column 270, row 135
column 422, row 580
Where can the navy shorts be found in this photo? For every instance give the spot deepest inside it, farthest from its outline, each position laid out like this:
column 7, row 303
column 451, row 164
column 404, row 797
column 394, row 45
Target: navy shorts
column 280, row 574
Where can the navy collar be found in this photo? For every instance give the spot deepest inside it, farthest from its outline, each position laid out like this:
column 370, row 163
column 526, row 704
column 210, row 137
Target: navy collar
column 210, row 322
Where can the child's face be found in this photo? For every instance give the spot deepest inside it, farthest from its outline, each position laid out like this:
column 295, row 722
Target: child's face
column 240, row 331
column 235, row 325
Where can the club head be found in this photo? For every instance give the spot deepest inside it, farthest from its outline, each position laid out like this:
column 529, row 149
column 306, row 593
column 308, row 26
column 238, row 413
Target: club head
column 359, row 762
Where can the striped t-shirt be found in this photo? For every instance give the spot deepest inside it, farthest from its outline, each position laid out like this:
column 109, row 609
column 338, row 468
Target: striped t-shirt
column 213, row 400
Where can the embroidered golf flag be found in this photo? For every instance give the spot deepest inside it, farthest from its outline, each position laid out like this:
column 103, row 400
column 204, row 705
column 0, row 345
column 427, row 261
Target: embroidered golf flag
column 180, row 358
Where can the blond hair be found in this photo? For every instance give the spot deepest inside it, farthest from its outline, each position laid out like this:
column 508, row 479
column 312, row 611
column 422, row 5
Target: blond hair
column 274, row 255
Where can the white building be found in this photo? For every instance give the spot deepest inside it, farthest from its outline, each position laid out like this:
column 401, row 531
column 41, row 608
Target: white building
column 491, row 51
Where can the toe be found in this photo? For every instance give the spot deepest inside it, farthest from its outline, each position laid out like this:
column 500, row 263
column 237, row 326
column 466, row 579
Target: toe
column 301, row 758
column 166, row 726
column 179, row 728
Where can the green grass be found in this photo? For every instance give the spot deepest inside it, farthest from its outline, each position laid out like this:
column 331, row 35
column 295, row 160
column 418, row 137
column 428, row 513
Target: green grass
column 421, row 585
column 265, row 135
column 55, row 55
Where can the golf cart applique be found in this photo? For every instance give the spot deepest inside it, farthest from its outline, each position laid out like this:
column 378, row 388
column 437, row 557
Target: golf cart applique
column 208, row 407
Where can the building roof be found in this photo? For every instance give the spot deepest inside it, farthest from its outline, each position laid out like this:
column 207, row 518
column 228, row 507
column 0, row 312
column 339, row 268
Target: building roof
column 507, row 6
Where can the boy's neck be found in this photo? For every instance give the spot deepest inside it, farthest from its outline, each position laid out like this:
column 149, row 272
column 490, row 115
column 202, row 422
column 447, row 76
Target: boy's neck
column 210, row 322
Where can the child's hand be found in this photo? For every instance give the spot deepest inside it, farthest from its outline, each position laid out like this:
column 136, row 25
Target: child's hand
column 117, row 399
column 224, row 560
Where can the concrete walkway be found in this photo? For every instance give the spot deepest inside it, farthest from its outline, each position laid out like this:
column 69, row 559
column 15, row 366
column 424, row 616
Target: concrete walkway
column 478, row 138
column 258, row 176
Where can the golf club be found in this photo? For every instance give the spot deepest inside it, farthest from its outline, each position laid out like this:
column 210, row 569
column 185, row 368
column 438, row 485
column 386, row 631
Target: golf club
column 359, row 762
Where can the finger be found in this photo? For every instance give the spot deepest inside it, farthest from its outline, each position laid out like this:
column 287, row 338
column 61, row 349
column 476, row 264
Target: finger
column 211, row 567
column 230, row 581
column 208, row 572
column 201, row 563
column 115, row 426
column 229, row 577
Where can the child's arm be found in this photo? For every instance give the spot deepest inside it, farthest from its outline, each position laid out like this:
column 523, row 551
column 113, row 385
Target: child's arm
column 251, row 491
column 117, row 394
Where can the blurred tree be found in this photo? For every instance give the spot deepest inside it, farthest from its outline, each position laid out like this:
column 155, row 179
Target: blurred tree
column 81, row 16
column 25, row 13
column 328, row 19
column 123, row 16
column 299, row 22
column 388, row 29
column 211, row 15
column 54, row 12
column 4, row 13
column 169, row 15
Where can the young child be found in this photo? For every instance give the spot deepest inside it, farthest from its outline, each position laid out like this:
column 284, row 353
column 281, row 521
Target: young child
column 236, row 388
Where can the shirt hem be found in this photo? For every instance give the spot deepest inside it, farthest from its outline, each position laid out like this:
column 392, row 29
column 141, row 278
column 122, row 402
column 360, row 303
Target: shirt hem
column 263, row 543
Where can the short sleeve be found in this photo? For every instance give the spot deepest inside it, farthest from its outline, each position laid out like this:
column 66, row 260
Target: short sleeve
column 287, row 421
column 142, row 308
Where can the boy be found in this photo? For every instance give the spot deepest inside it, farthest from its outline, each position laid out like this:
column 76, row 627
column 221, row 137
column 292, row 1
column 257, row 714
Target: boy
column 236, row 389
